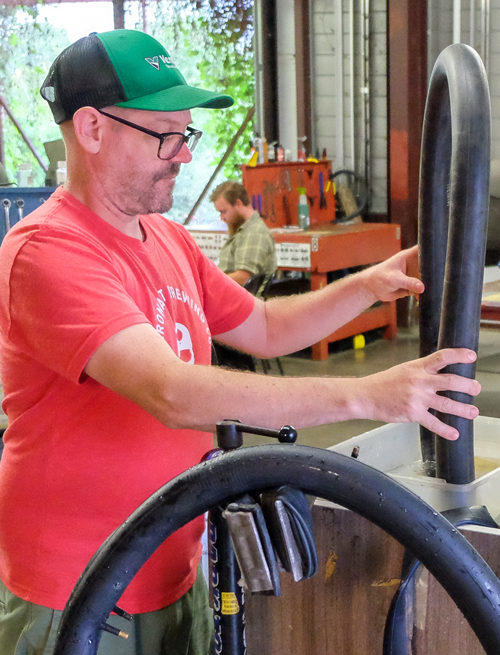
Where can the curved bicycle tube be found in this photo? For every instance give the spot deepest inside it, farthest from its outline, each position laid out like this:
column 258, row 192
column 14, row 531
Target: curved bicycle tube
column 343, row 480
column 453, row 220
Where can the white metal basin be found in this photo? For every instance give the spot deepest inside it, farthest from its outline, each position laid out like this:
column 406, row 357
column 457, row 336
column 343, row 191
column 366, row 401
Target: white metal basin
column 395, row 450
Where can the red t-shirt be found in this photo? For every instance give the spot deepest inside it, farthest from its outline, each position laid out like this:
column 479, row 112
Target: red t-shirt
column 78, row 457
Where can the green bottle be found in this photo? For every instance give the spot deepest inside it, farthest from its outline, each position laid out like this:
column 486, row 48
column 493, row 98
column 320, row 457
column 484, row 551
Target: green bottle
column 303, row 209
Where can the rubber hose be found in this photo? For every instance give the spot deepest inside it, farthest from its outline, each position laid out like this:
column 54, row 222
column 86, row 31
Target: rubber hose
column 343, row 480
column 453, row 218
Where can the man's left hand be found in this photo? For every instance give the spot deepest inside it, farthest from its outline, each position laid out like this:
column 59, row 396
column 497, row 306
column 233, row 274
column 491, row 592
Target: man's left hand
column 395, row 278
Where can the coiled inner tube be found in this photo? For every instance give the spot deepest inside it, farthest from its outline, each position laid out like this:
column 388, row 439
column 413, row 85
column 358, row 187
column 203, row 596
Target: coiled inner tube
column 329, row 475
column 453, row 219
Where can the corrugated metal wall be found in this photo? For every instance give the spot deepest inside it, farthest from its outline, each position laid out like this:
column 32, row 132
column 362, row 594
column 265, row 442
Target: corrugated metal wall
column 327, row 124
column 483, row 33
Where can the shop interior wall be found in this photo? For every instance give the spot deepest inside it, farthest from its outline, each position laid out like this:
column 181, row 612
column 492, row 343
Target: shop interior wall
column 370, row 153
column 371, row 161
column 483, row 33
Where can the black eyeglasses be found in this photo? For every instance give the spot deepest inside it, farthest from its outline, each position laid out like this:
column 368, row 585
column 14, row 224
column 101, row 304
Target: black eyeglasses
column 170, row 142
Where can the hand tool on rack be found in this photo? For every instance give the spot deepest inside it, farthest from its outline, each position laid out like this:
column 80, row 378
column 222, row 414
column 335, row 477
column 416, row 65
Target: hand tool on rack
column 19, row 203
column 6, row 208
column 322, row 199
column 286, row 211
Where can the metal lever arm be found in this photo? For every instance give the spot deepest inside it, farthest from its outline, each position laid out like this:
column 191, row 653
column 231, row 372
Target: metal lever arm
column 230, row 433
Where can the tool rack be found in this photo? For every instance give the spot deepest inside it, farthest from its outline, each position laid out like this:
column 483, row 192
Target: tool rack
column 273, row 190
column 16, row 202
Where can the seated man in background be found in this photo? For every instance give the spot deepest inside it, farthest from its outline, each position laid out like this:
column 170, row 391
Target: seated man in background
column 250, row 249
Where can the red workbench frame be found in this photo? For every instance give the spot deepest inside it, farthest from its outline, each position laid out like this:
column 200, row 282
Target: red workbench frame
column 336, row 247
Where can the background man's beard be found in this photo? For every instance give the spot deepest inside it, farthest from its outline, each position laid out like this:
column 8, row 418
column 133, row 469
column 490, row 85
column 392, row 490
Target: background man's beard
column 235, row 224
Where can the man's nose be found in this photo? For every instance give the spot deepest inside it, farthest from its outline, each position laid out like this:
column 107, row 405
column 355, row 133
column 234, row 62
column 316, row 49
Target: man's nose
column 184, row 156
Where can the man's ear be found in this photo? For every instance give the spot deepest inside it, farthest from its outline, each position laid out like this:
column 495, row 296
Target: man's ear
column 238, row 205
column 88, row 125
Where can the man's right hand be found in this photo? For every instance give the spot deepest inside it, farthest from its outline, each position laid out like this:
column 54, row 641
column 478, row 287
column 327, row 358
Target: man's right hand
column 406, row 392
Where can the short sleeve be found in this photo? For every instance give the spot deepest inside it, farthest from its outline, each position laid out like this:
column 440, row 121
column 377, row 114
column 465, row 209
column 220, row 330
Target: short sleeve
column 64, row 300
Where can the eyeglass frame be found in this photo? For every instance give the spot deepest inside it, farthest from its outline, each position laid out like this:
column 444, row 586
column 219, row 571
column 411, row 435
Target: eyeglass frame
column 197, row 134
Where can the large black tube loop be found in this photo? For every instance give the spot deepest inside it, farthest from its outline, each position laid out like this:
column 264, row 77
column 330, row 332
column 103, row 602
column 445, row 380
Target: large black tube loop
column 343, row 480
column 453, row 217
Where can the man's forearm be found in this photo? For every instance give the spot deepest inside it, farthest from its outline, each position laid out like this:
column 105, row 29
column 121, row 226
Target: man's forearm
column 198, row 397
column 206, row 395
column 297, row 322
column 284, row 325
column 138, row 364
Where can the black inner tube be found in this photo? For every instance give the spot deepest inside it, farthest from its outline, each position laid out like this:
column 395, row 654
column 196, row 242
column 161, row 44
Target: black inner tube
column 329, row 475
column 453, row 219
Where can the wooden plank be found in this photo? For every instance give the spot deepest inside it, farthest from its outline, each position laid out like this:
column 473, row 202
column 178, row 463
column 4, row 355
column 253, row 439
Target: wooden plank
column 344, row 607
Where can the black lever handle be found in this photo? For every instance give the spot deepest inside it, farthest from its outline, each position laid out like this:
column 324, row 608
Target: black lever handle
column 230, row 433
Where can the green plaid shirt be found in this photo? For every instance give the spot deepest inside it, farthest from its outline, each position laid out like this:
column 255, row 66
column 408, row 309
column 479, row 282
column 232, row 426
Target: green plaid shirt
column 251, row 249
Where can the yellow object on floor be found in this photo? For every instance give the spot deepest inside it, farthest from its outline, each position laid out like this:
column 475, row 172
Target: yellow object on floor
column 359, row 342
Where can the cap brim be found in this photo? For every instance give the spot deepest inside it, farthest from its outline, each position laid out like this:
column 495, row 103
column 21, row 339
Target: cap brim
column 179, row 98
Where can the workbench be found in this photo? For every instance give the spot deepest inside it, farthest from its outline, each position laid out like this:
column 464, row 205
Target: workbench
column 327, row 248
column 490, row 303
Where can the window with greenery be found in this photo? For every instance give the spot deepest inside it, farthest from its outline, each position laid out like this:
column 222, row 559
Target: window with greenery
column 211, row 42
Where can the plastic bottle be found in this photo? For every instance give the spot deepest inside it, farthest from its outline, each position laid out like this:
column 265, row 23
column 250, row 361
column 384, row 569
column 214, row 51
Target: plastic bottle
column 261, row 147
column 303, row 210
column 265, row 148
column 61, row 173
column 301, row 151
column 24, row 175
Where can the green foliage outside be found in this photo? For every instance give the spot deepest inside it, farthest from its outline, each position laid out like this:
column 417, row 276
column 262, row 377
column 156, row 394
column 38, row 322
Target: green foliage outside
column 211, row 42
column 27, row 48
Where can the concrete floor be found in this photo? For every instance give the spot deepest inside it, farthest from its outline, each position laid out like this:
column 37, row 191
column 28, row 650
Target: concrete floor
column 379, row 355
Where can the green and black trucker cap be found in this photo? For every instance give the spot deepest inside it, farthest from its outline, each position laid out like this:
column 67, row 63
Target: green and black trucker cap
column 126, row 68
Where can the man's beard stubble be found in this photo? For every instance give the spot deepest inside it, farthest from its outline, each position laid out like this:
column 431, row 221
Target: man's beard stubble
column 147, row 199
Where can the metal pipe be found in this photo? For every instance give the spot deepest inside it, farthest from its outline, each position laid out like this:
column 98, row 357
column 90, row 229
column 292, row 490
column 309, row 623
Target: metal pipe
column 287, row 76
column 472, row 26
column 351, row 83
column 457, row 21
column 339, row 75
column 259, row 68
column 485, row 42
column 482, row 47
column 229, row 150
column 365, row 54
column 363, row 90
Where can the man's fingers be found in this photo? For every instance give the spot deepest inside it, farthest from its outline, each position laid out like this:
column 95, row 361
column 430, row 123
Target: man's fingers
column 414, row 285
column 448, row 382
column 448, row 406
column 433, row 424
column 409, row 253
column 438, row 360
column 407, row 285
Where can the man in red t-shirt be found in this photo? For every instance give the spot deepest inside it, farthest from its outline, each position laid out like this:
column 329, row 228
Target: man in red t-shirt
column 107, row 313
